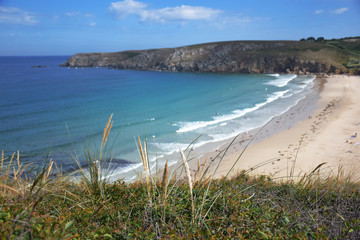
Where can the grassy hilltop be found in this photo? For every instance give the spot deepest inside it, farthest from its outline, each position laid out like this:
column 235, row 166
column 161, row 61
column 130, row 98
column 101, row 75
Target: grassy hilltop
column 325, row 56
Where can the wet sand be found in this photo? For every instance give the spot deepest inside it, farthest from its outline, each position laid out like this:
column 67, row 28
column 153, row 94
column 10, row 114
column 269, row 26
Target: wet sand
column 317, row 130
column 321, row 136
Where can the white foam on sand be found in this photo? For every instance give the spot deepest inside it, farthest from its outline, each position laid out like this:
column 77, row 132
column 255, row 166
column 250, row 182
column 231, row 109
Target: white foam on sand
column 281, row 80
column 191, row 126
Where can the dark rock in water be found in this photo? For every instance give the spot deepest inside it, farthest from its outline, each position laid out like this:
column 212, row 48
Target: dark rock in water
column 227, row 57
column 119, row 161
column 38, row 66
column 109, row 166
column 114, row 162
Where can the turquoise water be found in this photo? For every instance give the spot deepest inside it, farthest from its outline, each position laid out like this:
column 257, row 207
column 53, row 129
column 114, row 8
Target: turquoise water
column 39, row 105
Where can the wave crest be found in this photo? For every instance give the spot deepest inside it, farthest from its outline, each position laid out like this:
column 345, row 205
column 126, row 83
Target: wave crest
column 281, row 80
column 191, row 126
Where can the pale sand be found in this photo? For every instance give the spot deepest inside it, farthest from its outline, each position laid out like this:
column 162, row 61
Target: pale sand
column 312, row 141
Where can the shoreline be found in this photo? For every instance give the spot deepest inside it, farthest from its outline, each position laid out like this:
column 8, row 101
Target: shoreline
column 203, row 149
column 317, row 137
column 278, row 123
column 293, row 143
column 297, row 141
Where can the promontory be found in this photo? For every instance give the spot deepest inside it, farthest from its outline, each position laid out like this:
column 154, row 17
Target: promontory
column 301, row 57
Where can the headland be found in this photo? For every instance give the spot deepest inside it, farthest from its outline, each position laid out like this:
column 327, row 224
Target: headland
column 335, row 56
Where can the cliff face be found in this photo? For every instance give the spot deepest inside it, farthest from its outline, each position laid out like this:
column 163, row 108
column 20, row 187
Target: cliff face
column 233, row 57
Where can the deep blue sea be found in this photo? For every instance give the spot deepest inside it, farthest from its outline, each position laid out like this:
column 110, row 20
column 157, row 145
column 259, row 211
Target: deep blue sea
column 61, row 111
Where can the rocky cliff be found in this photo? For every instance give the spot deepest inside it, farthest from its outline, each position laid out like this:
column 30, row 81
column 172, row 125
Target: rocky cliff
column 232, row 57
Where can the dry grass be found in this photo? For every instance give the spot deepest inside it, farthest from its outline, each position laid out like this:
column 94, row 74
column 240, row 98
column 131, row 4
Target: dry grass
column 94, row 178
column 320, row 205
column 165, row 183
column 188, row 175
column 145, row 161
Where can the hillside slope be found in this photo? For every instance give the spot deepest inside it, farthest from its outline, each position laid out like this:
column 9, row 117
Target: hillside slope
column 332, row 56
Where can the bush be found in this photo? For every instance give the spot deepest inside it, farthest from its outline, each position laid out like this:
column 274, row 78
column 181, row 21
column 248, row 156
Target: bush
column 310, row 39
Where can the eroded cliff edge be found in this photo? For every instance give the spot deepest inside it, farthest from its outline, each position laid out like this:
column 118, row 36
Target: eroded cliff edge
column 233, row 57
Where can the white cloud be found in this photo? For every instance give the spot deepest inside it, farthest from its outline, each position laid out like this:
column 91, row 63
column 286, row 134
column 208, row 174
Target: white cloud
column 126, row 7
column 92, row 24
column 17, row 16
column 238, row 21
column 180, row 13
column 319, row 11
column 89, row 15
column 13, row 34
column 71, row 14
column 340, row 10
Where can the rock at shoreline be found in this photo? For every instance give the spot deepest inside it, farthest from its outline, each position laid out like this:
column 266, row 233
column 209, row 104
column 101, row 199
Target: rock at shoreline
column 230, row 57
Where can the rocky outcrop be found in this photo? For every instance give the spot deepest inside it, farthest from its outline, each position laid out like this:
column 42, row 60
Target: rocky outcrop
column 231, row 57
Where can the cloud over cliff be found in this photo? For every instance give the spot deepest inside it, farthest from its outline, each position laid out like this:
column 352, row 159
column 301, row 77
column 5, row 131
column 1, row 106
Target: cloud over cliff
column 124, row 8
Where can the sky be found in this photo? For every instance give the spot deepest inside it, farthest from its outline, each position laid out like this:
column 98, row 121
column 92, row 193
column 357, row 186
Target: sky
column 66, row 27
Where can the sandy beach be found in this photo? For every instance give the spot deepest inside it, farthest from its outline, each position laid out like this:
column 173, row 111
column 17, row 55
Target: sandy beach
column 323, row 133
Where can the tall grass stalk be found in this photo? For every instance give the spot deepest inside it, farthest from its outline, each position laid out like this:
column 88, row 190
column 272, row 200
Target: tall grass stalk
column 220, row 155
column 251, row 207
column 15, row 179
column 188, row 174
column 165, row 183
column 145, row 161
column 247, row 145
column 2, row 160
column 104, row 140
column 294, row 162
column 95, row 176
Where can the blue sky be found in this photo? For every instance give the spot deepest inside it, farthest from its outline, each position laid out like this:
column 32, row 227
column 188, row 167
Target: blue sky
column 54, row 27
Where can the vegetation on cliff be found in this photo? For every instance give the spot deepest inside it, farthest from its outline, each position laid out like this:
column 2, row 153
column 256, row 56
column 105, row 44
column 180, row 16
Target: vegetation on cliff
column 325, row 56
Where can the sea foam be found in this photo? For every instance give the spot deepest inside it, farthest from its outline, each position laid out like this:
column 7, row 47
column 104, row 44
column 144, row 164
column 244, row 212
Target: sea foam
column 281, row 80
column 273, row 74
column 191, row 126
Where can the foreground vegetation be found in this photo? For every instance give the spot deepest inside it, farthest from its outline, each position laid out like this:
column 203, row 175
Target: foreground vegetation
column 48, row 204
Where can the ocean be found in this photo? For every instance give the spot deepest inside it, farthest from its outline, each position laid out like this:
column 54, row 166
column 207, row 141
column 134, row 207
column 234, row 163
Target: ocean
column 60, row 112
